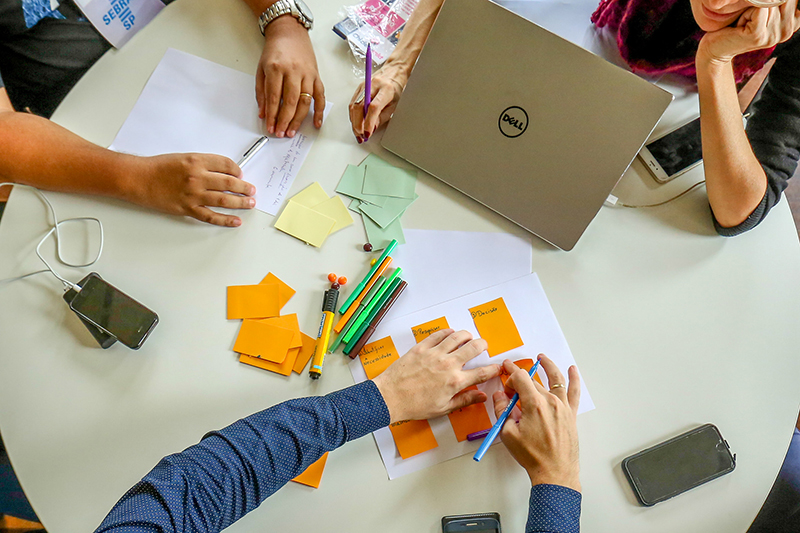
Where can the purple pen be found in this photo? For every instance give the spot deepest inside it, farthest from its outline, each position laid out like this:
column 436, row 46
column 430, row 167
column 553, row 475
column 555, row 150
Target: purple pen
column 478, row 434
column 368, row 80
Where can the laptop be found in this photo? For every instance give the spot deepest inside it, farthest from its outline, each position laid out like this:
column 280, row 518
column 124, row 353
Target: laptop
column 519, row 119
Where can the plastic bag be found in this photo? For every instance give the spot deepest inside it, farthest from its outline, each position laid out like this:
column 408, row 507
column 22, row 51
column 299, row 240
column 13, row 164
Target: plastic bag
column 375, row 22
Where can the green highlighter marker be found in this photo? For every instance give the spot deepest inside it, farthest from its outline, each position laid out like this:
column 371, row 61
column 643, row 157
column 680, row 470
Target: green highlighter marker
column 364, row 303
column 375, row 310
column 372, row 304
column 360, row 287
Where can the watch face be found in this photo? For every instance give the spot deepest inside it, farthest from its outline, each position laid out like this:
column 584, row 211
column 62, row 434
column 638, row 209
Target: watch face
column 304, row 10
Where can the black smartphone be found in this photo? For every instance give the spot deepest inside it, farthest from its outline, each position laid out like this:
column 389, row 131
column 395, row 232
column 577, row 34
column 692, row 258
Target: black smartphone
column 103, row 339
column 679, row 464
column 472, row 523
column 114, row 312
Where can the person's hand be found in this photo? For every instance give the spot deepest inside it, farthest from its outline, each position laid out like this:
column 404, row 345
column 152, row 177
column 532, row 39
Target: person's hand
column 188, row 184
column 386, row 88
column 429, row 381
column 756, row 29
column 541, row 431
column 287, row 74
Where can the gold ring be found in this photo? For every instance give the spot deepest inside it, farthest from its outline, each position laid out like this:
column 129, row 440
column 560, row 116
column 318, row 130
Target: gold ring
column 306, row 94
column 556, row 386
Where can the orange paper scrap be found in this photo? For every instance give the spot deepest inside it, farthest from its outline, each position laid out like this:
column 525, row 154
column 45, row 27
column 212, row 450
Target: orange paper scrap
column 423, row 331
column 305, row 352
column 313, row 474
column 470, row 419
column 253, row 301
column 411, row 437
column 496, row 326
column 262, row 340
column 287, row 322
column 284, row 368
column 285, row 292
column 524, row 364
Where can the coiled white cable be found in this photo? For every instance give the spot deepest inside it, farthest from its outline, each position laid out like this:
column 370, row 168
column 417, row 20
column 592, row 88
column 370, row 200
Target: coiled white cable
column 55, row 229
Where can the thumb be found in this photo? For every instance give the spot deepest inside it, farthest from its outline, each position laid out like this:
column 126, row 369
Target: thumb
column 500, row 403
column 466, row 398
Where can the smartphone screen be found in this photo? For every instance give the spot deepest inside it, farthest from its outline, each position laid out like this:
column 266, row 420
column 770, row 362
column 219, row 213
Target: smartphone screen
column 679, row 464
column 114, row 312
column 678, row 150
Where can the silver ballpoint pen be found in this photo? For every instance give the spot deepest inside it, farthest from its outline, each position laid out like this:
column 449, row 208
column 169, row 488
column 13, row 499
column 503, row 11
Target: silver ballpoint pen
column 253, row 150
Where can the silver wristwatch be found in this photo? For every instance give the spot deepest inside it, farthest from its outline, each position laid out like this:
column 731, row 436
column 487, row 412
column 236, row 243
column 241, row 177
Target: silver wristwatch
column 296, row 8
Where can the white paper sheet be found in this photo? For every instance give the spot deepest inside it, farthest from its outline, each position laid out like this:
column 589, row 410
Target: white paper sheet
column 540, row 333
column 194, row 105
column 442, row 265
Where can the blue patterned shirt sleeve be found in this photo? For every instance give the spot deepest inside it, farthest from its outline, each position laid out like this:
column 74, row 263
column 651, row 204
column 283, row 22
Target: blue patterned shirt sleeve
column 230, row 472
column 554, row 509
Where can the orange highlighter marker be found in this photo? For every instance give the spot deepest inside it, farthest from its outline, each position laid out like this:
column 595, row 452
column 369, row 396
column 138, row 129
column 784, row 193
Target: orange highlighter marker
column 324, row 335
column 345, row 317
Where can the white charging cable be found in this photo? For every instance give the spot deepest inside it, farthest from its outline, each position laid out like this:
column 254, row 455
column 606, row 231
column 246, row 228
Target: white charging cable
column 55, row 229
column 613, row 201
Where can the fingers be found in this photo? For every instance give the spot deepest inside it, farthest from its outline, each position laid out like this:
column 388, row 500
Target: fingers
column 291, row 97
column 434, row 339
column 574, row 391
column 357, row 113
column 319, row 103
column 500, row 401
column 274, row 85
column 454, row 340
column 554, row 377
column 372, row 120
column 260, row 96
column 222, row 182
column 303, row 105
column 466, row 398
column 472, row 349
column 229, row 201
column 526, row 388
column 482, row 374
column 222, row 164
column 205, row 214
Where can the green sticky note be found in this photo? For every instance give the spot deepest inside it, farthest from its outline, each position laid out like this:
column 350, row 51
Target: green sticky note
column 380, row 237
column 354, row 205
column 389, row 181
column 383, row 216
column 351, row 184
column 375, row 161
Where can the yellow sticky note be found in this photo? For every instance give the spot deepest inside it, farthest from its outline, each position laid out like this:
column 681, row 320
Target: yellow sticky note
column 285, row 292
column 263, row 340
column 304, row 223
column 284, row 368
column 496, row 326
column 313, row 474
column 335, row 208
column 470, row 419
column 412, row 437
column 253, row 301
column 287, row 322
column 377, row 356
column 309, row 343
column 311, row 196
column 423, row 331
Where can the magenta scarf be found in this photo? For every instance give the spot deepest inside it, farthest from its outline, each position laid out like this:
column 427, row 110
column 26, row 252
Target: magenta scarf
column 617, row 16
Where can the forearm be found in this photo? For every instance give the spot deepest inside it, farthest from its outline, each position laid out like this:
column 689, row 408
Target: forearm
column 40, row 153
column 230, row 472
column 414, row 35
column 554, row 509
column 735, row 181
column 258, row 6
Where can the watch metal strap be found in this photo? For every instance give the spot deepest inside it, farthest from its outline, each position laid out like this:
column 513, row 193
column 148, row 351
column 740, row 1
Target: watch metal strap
column 281, row 7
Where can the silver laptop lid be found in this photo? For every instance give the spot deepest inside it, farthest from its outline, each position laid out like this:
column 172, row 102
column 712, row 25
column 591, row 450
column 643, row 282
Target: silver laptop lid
column 523, row 121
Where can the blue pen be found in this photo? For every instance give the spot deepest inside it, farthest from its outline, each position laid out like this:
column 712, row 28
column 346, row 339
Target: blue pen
column 500, row 421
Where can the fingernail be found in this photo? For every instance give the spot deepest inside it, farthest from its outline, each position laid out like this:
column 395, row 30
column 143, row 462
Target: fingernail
column 290, row 133
column 280, row 134
column 252, row 202
column 359, row 140
column 366, row 137
column 318, row 123
column 237, row 222
column 271, row 130
column 252, row 190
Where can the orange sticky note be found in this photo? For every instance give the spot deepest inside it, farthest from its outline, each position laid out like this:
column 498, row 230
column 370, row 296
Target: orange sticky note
column 412, row 437
column 525, row 364
column 305, row 352
column 423, row 331
column 496, row 326
column 377, row 356
column 284, row 368
column 469, row 419
column 285, row 292
column 263, row 340
column 287, row 322
column 253, row 301
column 313, row 474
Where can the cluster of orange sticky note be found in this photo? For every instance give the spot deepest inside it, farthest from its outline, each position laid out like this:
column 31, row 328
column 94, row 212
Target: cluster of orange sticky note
column 272, row 341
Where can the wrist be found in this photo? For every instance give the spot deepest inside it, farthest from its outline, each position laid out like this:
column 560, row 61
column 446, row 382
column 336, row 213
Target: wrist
column 285, row 23
column 568, row 479
column 390, row 398
column 130, row 174
column 706, row 60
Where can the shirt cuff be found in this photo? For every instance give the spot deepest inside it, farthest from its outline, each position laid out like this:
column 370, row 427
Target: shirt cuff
column 362, row 408
column 554, row 509
column 749, row 223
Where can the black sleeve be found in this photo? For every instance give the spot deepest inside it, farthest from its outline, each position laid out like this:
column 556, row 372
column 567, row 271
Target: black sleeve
column 774, row 132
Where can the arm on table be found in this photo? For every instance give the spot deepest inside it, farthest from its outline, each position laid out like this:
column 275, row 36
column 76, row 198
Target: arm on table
column 741, row 185
column 542, row 436
column 42, row 154
column 390, row 80
column 230, row 472
column 287, row 68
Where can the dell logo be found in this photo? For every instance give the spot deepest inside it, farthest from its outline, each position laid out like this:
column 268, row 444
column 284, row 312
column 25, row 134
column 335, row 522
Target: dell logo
column 513, row 121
